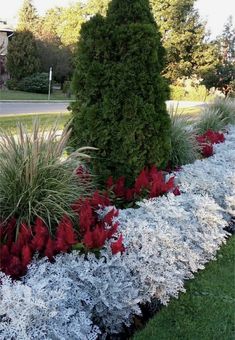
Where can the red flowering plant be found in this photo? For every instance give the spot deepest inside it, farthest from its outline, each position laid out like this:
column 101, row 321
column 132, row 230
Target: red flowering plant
column 150, row 183
column 207, row 140
column 16, row 254
column 97, row 226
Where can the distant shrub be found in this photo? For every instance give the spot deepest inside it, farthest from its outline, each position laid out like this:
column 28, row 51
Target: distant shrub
column 37, row 83
column 12, row 84
column 177, row 92
column 197, row 93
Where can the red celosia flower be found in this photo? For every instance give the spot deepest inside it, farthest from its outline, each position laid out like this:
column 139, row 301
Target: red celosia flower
column 119, row 187
column 96, row 238
column 99, row 200
column 41, row 235
column 207, row 150
column 214, row 137
column 50, row 249
column 109, row 182
column 117, row 246
column 86, row 218
column 142, row 181
column 26, row 255
column 130, row 194
column 15, row 268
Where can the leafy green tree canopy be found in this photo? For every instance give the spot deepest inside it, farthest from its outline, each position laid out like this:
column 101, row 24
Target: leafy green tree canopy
column 28, row 17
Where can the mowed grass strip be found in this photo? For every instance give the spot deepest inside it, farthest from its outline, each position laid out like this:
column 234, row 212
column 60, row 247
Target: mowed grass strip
column 20, row 95
column 9, row 123
column 206, row 311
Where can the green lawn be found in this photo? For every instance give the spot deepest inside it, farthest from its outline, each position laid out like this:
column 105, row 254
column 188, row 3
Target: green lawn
column 20, row 95
column 206, row 311
column 46, row 120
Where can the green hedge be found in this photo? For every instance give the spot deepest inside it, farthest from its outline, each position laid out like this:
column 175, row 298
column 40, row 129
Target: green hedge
column 37, row 83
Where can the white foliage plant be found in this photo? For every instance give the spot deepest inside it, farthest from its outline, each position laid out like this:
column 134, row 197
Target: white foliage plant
column 167, row 239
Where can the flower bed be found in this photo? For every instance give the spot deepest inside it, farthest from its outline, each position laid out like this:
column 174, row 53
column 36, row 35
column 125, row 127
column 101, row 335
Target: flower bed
column 166, row 239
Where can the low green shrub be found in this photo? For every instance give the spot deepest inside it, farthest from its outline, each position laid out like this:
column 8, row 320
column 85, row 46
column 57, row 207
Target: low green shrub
column 34, row 179
column 185, row 148
column 37, row 83
column 12, row 84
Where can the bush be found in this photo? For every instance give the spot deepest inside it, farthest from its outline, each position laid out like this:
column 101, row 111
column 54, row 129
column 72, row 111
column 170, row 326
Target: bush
column 37, row 83
column 120, row 107
column 34, row 182
column 12, row 84
column 198, row 93
column 185, row 148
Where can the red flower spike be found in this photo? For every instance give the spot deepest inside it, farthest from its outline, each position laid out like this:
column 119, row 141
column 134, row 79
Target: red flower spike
column 4, row 257
column 108, row 218
column 26, row 255
column 117, row 246
column 98, row 200
column 41, row 235
column 119, row 187
column 50, row 249
column 112, row 231
column 109, row 182
column 141, row 182
column 86, row 218
column 130, row 194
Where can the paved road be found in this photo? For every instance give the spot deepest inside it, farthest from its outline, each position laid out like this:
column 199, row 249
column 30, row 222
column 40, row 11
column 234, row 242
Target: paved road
column 8, row 108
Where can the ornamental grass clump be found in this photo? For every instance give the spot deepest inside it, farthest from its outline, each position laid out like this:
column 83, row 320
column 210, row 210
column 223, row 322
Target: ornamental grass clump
column 226, row 107
column 185, row 148
column 34, row 179
column 210, row 119
column 217, row 115
column 120, row 92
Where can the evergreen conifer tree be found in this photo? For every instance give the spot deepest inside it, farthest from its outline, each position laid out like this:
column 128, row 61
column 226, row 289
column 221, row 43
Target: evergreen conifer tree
column 120, row 106
column 22, row 56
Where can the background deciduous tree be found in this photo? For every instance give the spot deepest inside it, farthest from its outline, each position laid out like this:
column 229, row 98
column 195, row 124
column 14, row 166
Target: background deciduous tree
column 28, row 17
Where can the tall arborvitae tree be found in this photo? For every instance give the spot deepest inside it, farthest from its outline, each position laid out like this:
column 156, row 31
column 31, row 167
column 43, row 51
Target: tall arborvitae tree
column 22, row 56
column 120, row 106
column 28, row 17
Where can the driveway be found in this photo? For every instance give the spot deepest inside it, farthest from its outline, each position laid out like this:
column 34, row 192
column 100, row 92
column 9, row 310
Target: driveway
column 14, row 107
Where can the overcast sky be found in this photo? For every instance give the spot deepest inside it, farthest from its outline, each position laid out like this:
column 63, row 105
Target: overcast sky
column 215, row 12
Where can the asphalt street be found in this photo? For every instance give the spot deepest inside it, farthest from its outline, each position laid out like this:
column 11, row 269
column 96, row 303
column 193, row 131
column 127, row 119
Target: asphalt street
column 13, row 107
column 8, row 108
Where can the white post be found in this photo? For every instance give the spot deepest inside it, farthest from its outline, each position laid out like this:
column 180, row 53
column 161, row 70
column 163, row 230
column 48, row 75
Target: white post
column 50, row 79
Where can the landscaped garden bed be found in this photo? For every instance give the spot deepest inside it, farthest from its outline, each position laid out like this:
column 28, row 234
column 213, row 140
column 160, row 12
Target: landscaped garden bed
column 156, row 247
